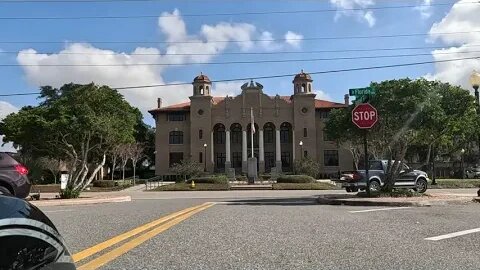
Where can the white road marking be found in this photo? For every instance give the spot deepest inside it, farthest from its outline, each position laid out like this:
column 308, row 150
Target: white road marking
column 55, row 211
column 451, row 235
column 378, row 209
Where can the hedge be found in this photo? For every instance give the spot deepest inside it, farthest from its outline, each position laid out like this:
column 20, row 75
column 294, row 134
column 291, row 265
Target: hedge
column 209, row 180
column 295, row 179
column 456, row 183
column 186, row 187
column 104, row 183
column 303, row 186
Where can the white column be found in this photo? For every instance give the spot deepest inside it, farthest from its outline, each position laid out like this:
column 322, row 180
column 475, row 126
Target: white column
column 277, row 145
column 293, row 145
column 260, row 145
column 244, row 145
column 227, row 146
column 211, row 149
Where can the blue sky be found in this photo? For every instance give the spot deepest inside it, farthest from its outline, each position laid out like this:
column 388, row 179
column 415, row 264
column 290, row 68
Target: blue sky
column 20, row 79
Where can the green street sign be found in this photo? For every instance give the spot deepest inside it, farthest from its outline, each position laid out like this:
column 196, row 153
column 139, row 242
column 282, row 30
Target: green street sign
column 359, row 92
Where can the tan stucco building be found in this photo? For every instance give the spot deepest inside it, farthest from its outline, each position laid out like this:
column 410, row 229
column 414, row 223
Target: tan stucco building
column 215, row 131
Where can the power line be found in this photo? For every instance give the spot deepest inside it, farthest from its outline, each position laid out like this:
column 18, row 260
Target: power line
column 239, row 53
column 95, row 1
column 236, row 62
column 278, row 12
column 280, row 76
column 251, row 40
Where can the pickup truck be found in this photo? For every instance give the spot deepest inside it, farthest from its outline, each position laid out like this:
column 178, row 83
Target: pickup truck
column 354, row 181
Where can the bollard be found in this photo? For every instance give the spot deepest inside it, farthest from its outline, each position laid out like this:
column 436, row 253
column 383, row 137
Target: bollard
column 192, row 185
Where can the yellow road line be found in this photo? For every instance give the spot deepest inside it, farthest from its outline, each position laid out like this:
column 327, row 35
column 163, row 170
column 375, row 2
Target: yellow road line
column 119, row 251
column 119, row 238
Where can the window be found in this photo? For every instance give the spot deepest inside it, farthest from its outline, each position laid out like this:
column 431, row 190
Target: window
column 174, row 158
column 330, row 157
column 324, row 114
column 176, row 137
column 285, row 134
column 237, row 159
column 236, row 133
column 305, row 132
column 200, row 134
column 220, row 160
column 219, row 135
column 268, row 133
column 176, row 116
column 285, row 159
column 269, row 160
column 200, row 157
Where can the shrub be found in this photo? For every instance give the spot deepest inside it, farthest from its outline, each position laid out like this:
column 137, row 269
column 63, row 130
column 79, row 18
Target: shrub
column 104, row 183
column 186, row 187
column 69, row 193
column 303, row 186
column 295, row 179
column 265, row 176
column 140, row 181
column 187, row 168
column 306, row 166
column 209, row 180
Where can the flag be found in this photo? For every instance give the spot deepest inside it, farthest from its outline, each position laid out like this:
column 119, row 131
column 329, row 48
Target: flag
column 253, row 122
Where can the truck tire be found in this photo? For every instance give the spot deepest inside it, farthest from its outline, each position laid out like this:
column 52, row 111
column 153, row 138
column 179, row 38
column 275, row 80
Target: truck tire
column 374, row 186
column 421, row 185
column 348, row 189
column 5, row 191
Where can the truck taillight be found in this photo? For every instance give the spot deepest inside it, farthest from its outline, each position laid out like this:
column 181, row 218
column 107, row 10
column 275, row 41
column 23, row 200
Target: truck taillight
column 357, row 177
column 21, row 169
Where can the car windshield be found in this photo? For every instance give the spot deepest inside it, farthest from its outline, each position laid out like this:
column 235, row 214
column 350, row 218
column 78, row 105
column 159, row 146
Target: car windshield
column 228, row 134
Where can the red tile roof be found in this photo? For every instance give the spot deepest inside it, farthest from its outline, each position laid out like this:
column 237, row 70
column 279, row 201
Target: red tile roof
column 185, row 106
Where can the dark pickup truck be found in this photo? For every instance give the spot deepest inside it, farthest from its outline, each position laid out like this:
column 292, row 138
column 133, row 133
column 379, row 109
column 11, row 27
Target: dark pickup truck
column 354, row 181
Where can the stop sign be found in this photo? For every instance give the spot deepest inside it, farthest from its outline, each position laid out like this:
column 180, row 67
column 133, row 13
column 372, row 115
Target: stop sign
column 364, row 116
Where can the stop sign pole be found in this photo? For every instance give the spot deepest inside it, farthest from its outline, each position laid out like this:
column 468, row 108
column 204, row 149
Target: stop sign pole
column 365, row 116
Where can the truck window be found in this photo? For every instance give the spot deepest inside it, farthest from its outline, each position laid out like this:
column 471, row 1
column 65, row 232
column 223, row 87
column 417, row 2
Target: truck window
column 376, row 165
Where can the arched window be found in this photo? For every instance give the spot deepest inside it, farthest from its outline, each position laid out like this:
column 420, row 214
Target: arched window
column 236, row 133
column 304, row 88
column 208, row 89
column 219, row 134
column 201, row 90
column 175, row 137
column 286, row 133
column 309, row 88
column 268, row 133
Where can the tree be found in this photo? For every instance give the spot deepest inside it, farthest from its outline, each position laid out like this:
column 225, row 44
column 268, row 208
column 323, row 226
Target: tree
column 411, row 113
column 115, row 153
column 76, row 123
column 136, row 153
column 187, row 168
column 124, row 154
column 51, row 164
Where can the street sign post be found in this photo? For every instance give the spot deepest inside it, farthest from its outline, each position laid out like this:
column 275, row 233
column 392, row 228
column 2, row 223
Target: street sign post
column 365, row 116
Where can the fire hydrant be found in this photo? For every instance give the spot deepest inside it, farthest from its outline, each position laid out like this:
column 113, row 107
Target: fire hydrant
column 192, row 184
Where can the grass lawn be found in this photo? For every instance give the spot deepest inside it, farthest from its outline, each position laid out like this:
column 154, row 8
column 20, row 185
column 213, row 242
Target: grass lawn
column 303, row 186
column 186, row 187
column 52, row 188
column 455, row 183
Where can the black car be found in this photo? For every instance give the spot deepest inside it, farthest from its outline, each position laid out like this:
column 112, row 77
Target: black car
column 29, row 240
column 13, row 177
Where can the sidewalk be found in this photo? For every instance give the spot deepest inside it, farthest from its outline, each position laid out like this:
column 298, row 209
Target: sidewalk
column 49, row 199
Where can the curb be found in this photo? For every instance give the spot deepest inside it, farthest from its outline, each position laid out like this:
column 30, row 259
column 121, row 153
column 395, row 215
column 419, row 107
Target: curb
column 334, row 201
column 81, row 201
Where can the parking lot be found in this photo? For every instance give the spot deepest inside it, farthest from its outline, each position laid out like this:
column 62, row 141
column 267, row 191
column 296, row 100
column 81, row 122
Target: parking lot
column 280, row 232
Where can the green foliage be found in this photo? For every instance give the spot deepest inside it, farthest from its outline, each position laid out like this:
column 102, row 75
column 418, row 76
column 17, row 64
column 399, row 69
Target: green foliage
column 187, row 168
column 295, row 179
column 307, row 166
column 186, row 187
column 412, row 113
column 69, row 193
column 209, row 180
column 104, row 183
column 303, row 186
column 456, row 183
column 75, row 123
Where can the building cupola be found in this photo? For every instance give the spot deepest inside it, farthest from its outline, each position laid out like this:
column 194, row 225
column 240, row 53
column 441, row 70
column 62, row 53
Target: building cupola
column 201, row 85
column 302, row 83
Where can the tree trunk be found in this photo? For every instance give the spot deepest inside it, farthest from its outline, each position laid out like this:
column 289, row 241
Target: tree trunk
column 95, row 172
column 134, row 165
column 113, row 166
column 429, row 152
column 123, row 172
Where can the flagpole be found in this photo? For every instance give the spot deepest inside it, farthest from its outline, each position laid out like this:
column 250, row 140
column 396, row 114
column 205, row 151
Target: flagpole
column 252, row 128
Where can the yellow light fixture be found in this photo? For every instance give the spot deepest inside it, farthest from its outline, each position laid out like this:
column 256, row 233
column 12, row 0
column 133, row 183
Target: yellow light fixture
column 475, row 79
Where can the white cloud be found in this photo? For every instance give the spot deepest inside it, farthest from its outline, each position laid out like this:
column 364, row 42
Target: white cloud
column 231, row 89
column 344, row 9
column 174, row 29
column 461, row 18
column 425, row 9
column 293, row 39
column 6, row 109
column 322, row 95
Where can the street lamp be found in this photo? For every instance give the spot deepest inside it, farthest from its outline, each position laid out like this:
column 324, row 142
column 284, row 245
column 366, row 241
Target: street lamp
column 475, row 81
column 301, row 146
column 205, row 157
column 463, row 171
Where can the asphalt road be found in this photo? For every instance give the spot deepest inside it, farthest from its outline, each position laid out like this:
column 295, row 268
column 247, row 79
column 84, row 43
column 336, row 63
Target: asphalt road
column 275, row 230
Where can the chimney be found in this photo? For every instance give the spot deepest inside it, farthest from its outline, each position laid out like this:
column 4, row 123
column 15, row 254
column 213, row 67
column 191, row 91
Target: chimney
column 347, row 99
column 159, row 102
